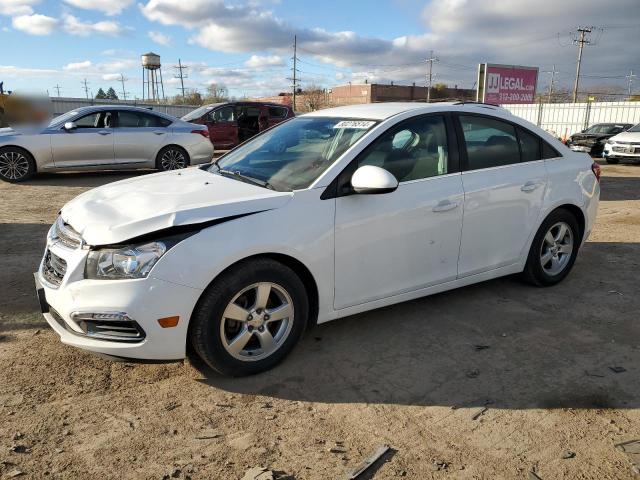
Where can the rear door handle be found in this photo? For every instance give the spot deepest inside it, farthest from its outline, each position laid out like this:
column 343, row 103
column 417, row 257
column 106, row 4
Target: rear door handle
column 159, row 132
column 529, row 186
column 104, row 132
column 445, row 206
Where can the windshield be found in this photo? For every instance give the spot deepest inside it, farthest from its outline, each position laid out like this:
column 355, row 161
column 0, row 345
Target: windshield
column 60, row 119
column 635, row 128
column 197, row 113
column 604, row 128
column 293, row 154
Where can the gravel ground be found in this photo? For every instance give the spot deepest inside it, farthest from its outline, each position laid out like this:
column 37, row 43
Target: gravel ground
column 541, row 397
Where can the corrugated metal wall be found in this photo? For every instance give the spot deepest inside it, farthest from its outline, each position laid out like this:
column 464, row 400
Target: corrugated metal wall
column 64, row 104
column 566, row 119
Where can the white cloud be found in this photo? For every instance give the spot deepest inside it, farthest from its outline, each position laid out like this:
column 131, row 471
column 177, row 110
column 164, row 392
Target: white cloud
column 17, row 7
column 111, row 77
column 257, row 61
column 34, row 24
column 72, row 67
column 109, row 7
column 75, row 26
column 13, row 71
column 159, row 38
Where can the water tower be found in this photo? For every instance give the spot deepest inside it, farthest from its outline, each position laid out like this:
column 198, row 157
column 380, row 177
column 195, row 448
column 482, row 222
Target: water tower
column 152, row 87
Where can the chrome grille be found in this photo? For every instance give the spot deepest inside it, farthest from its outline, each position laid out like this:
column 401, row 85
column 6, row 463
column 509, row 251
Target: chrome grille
column 53, row 268
column 65, row 234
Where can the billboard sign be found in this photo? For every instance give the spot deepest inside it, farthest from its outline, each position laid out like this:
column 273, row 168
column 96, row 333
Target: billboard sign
column 500, row 84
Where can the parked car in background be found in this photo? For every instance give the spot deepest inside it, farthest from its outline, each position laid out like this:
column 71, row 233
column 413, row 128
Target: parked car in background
column 327, row 215
column 231, row 123
column 592, row 139
column 623, row 146
column 103, row 138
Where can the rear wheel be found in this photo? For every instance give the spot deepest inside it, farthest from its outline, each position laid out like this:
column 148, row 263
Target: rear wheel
column 553, row 250
column 16, row 165
column 172, row 158
column 250, row 318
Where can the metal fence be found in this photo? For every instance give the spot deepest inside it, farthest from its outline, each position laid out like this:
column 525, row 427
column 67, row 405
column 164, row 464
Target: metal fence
column 565, row 119
column 65, row 104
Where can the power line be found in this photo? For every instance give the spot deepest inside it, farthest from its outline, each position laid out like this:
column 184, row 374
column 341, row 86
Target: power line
column 124, row 92
column 581, row 41
column 181, row 75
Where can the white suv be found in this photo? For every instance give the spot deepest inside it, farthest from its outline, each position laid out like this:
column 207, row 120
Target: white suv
column 323, row 216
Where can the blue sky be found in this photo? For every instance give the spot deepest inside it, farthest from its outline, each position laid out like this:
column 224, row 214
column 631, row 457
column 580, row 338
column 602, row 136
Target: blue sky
column 246, row 45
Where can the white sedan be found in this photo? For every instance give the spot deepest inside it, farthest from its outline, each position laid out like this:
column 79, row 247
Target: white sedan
column 326, row 215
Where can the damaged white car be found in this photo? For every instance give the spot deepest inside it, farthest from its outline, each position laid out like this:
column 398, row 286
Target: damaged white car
column 326, row 215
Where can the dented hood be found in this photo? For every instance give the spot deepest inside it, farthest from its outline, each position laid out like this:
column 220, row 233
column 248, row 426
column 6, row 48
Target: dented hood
column 129, row 208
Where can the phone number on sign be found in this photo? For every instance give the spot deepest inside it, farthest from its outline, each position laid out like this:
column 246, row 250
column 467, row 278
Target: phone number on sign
column 516, row 97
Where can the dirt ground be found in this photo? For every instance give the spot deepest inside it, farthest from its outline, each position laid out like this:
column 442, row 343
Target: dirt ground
column 542, row 397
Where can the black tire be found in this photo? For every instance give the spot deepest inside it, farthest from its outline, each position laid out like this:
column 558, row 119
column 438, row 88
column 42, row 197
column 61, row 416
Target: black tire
column 534, row 272
column 16, row 165
column 181, row 155
column 613, row 161
column 205, row 333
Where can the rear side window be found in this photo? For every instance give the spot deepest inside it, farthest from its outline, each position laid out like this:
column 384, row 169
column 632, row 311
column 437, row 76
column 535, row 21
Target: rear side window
column 277, row 112
column 132, row 119
column 489, row 142
column 548, row 151
column 529, row 146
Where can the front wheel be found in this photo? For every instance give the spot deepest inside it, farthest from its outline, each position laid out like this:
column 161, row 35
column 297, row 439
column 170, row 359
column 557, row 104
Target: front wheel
column 16, row 165
column 250, row 318
column 553, row 250
column 172, row 158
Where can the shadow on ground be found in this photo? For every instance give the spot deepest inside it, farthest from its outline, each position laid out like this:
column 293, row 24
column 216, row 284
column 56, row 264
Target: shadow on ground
column 501, row 343
column 619, row 188
column 83, row 179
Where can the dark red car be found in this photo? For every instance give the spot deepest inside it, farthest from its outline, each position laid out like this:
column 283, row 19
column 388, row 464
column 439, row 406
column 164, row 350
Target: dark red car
column 231, row 123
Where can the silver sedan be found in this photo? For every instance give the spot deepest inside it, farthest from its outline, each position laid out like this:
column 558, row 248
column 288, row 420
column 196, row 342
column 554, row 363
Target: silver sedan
column 103, row 138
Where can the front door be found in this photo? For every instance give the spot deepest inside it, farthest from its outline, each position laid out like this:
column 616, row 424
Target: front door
column 503, row 195
column 223, row 127
column 89, row 144
column 405, row 240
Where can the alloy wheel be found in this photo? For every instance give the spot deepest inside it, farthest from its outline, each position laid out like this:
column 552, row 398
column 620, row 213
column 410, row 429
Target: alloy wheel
column 257, row 321
column 556, row 249
column 173, row 159
column 13, row 165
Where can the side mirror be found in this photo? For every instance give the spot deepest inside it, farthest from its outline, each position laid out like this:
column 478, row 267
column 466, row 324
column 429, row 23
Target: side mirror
column 369, row 179
column 70, row 126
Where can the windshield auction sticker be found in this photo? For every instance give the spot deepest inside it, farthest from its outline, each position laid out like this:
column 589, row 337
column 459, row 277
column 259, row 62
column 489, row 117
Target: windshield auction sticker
column 360, row 124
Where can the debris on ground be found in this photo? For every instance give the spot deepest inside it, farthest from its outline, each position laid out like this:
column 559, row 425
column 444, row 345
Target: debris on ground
column 592, row 373
column 16, row 472
column 479, row 413
column 260, row 473
column 616, row 292
column 534, row 476
column 481, row 347
column 171, row 406
column 567, row 454
column 473, row 373
column 208, row 435
column 439, row 465
column 369, row 461
column 617, row 369
column 632, row 449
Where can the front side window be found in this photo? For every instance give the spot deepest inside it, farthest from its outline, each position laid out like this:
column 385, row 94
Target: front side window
column 94, row 120
column 293, row 154
column 489, row 142
column 224, row 115
column 415, row 149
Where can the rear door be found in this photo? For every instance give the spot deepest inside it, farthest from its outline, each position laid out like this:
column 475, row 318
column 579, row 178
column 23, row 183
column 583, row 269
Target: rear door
column 223, row 126
column 139, row 136
column 504, row 180
column 91, row 143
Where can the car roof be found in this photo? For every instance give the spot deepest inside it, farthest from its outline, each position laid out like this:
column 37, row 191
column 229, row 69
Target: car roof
column 382, row 111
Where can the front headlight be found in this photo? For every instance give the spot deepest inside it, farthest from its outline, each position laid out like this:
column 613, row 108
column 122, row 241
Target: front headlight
column 134, row 261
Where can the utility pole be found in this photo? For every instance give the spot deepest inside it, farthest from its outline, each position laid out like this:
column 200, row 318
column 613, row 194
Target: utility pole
column 124, row 92
column 631, row 76
column 431, row 59
column 181, row 75
column 57, row 87
column 86, row 88
column 294, row 79
column 581, row 41
column 553, row 76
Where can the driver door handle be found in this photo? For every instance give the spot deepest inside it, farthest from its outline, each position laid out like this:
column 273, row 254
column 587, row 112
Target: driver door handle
column 529, row 186
column 104, row 132
column 445, row 206
column 159, row 132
